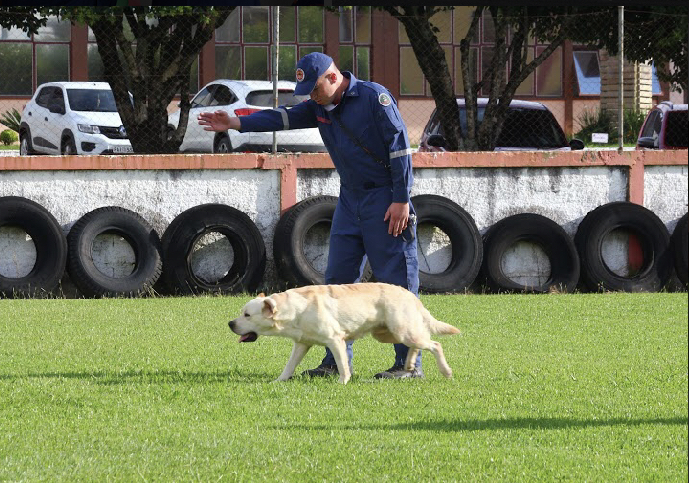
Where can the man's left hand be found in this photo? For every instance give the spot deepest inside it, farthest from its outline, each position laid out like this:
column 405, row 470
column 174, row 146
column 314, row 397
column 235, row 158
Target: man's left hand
column 398, row 214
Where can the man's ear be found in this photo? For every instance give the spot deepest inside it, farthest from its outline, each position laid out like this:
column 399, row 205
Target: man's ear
column 261, row 294
column 269, row 308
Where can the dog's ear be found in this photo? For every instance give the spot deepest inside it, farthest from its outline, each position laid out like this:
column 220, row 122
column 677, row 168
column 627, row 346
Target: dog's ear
column 269, row 308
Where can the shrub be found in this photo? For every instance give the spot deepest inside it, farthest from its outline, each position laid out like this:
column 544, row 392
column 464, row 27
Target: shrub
column 603, row 121
column 8, row 137
column 633, row 120
column 596, row 120
column 11, row 119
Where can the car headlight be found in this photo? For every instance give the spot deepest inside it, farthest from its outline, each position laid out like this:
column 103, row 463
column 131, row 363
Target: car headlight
column 87, row 128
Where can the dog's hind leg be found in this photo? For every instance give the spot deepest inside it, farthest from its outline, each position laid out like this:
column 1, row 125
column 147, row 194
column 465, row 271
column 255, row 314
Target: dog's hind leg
column 437, row 350
column 299, row 350
column 433, row 347
column 339, row 349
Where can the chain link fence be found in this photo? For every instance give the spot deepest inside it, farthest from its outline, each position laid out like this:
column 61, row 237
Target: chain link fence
column 135, row 79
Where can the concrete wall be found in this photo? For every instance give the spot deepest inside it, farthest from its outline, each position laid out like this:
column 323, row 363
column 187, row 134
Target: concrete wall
column 489, row 186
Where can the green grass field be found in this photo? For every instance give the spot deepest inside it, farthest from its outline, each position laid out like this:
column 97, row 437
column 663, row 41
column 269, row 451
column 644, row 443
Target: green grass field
column 586, row 387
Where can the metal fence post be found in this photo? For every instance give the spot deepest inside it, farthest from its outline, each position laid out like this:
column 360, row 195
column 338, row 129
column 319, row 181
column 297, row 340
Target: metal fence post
column 276, row 45
column 620, row 63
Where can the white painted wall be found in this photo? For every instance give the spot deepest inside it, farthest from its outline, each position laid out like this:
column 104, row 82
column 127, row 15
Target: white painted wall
column 564, row 195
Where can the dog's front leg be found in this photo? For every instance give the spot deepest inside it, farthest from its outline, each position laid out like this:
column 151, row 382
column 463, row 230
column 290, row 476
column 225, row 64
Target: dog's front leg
column 339, row 350
column 299, row 350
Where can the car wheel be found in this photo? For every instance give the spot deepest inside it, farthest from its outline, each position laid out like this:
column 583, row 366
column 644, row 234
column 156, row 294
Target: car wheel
column 25, row 147
column 223, row 145
column 68, row 147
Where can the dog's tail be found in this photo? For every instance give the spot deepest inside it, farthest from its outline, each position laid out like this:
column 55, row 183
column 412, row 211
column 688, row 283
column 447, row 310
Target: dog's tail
column 438, row 327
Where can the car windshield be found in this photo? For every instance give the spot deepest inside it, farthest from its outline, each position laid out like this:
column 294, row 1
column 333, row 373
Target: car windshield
column 93, row 100
column 265, row 98
column 676, row 129
column 523, row 128
column 531, row 128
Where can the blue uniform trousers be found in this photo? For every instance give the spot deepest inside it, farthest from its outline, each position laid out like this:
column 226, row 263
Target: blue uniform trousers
column 358, row 230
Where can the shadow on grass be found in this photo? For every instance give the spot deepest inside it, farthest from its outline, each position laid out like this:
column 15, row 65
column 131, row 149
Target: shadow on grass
column 145, row 376
column 495, row 424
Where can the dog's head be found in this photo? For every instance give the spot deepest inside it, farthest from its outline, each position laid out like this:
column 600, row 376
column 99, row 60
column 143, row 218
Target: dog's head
column 257, row 318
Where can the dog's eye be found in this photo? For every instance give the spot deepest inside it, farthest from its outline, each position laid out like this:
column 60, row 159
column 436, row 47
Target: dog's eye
column 246, row 315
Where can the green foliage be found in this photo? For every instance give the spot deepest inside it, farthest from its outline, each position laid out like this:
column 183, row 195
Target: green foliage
column 8, row 137
column 12, row 119
column 546, row 388
column 603, row 121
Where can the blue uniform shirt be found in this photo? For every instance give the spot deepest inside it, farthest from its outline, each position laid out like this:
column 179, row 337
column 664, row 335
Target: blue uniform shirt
column 370, row 113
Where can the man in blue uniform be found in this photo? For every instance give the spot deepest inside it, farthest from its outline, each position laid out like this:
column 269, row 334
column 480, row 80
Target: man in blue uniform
column 367, row 141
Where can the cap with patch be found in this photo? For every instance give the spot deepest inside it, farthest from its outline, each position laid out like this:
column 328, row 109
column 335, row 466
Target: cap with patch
column 309, row 69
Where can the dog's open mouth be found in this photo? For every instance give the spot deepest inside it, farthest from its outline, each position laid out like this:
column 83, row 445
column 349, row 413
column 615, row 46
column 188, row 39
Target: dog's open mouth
column 250, row 337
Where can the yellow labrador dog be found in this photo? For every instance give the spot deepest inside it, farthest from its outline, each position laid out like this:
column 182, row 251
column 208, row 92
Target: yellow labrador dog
column 331, row 314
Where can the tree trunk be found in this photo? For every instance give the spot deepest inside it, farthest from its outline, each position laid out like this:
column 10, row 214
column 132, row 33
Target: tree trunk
column 431, row 59
column 157, row 71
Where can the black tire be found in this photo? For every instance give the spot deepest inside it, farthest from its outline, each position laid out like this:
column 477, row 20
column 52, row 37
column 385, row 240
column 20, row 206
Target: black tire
column 289, row 241
column 651, row 233
column 680, row 248
column 50, row 243
column 188, row 227
column 25, row 146
column 143, row 239
column 68, row 147
column 465, row 238
column 223, row 145
column 540, row 230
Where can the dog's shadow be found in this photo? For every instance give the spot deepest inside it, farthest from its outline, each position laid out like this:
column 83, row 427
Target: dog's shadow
column 494, row 424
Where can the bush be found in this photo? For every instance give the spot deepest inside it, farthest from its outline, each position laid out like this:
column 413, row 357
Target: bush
column 11, row 119
column 8, row 137
column 603, row 121
column 633, row 120
column 596, row 120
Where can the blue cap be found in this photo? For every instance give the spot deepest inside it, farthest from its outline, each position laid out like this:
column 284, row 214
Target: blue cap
column 309, row 69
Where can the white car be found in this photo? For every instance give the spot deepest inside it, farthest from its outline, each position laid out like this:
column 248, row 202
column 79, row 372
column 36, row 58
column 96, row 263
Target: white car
column 72, row 118
column 240, row 98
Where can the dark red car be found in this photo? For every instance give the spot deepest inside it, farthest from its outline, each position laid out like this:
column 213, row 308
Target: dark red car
column 665, row 127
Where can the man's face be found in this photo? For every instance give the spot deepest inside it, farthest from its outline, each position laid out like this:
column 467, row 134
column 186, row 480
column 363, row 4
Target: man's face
column 323, row 92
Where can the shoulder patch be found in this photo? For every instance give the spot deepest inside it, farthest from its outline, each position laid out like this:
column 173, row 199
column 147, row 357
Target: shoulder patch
column 384, row 99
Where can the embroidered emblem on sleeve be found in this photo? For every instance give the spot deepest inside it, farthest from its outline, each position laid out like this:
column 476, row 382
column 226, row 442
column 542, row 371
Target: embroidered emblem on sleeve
column 300, row 75
column 384, row 99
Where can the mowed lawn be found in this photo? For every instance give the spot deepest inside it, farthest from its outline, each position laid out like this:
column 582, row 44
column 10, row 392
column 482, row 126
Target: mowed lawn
column 546, row 387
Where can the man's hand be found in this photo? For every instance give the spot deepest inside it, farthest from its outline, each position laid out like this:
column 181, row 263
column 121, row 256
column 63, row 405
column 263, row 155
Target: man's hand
column 398, row 213
column 218, row 121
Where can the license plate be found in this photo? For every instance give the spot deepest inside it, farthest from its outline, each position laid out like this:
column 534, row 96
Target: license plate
column 122, row 149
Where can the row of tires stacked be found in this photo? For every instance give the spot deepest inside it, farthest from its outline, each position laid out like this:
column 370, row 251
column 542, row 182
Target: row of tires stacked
column 476, row 261
column 166, row 263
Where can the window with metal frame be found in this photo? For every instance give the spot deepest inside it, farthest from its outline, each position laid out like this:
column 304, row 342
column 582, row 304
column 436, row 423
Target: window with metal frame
column 242, row 43
column 31, row 60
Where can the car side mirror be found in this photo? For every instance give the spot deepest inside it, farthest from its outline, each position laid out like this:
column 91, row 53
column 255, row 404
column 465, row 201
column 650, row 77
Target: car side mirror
column 646, row 142
column 436, row 140
column 576, row 144
column 56, row 108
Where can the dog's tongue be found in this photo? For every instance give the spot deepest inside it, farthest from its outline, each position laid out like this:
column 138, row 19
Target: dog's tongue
column 250, row 337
